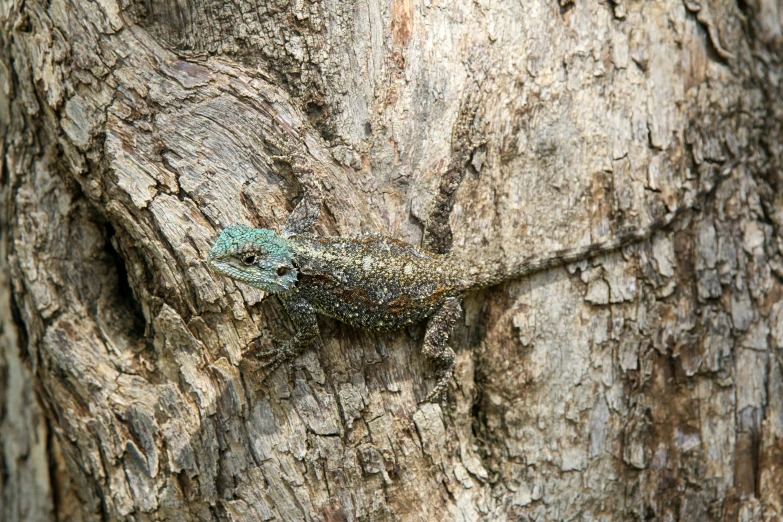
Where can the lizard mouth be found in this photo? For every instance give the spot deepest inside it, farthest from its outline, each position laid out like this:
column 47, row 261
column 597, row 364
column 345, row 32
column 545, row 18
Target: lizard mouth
column 219, row 267
column 227, row 269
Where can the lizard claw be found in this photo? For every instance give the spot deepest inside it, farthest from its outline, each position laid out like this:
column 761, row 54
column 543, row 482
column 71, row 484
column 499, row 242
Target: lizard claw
column 443, row 382
column 274, row 356
column 270, row 359
column 267, row 361
column 272, row 364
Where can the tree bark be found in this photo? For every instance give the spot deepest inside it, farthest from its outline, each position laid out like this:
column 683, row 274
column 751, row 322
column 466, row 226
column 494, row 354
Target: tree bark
column 645, row 384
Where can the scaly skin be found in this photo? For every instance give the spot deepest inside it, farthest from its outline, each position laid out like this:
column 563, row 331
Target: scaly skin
column 374, row 282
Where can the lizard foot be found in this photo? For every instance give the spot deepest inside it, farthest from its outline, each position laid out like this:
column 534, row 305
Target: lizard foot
column 443, row 382
column 270, row 359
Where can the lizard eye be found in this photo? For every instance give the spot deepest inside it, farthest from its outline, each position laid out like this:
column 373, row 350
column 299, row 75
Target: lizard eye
column 282, row 270
column 249, row 259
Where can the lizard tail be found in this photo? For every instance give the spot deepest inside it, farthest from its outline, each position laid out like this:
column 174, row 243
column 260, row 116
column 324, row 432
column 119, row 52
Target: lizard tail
column 495, row 272
column 483, row 273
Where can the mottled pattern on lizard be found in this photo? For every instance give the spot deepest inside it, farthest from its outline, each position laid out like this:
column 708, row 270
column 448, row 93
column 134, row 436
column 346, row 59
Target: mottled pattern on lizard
column 375, row 282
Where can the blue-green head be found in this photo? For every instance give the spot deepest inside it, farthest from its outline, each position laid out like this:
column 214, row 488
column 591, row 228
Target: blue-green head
column 256, row 257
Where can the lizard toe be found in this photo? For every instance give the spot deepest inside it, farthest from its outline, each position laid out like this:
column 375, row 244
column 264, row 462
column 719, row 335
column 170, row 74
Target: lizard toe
column 440, row 387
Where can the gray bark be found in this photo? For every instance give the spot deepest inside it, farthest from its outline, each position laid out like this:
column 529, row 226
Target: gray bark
column 646, row 384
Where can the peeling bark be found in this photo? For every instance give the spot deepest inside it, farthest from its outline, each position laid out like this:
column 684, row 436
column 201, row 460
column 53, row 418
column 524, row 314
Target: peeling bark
column 645, row 384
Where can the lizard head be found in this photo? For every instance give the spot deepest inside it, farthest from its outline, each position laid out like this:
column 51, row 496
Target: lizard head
column 254, row 256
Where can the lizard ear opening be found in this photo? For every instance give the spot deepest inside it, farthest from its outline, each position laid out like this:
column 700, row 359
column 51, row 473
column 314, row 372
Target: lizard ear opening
column 287, row 276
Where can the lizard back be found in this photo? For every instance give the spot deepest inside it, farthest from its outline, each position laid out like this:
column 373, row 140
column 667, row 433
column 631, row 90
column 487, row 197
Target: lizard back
column 373, row 282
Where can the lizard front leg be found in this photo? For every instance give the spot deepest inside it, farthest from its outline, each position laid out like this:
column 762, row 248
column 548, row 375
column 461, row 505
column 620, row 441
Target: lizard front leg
column 435, row 343
column 304, row 320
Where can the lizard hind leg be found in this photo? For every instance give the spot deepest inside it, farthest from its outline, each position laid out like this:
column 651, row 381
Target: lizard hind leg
column 436, row 345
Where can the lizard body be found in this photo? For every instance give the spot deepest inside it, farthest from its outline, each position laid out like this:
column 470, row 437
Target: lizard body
column 375, row 282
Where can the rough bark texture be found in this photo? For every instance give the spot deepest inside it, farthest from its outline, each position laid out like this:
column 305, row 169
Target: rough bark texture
column 647, row 384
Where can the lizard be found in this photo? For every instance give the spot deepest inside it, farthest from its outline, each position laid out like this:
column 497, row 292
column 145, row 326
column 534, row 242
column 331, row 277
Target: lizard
column 377, row 282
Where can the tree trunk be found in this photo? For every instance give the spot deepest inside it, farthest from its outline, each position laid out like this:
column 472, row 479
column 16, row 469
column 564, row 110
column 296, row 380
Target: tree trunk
column 645, row 384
